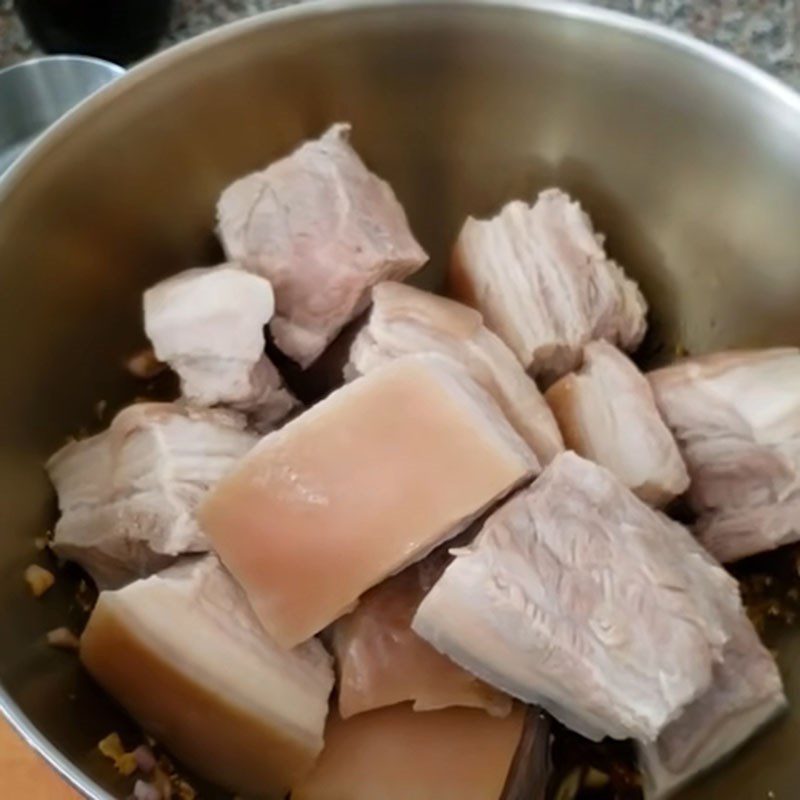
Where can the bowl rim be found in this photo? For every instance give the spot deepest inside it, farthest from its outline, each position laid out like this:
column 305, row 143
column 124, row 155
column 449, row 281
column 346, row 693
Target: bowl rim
column 725, row 61
column 38, row 61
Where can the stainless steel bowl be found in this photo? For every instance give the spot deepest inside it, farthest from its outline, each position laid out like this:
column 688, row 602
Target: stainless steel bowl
column 36, row 93
column 687, row 157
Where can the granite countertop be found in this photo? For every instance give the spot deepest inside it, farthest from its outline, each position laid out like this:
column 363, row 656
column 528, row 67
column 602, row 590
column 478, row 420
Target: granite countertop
column 766, row 32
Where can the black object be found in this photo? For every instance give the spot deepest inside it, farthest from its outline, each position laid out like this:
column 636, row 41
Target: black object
column 116, row 30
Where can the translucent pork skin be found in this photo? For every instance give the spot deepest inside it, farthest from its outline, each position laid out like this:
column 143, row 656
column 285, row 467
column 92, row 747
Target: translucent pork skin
column 397, row 753
column 183, row 654
column 381, row 661
column 368, row 481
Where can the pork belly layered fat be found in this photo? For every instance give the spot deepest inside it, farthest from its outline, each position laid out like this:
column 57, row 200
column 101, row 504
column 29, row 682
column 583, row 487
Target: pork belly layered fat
column 607, row 414
column 736, row 417
column 542, row 280
column 183, row 653
column 578, row 597
column 128, row 496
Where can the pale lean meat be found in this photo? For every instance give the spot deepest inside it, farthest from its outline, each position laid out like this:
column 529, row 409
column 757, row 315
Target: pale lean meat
column 381, row 661
column 182, row 652
column 607, row 414
column 128, row 496
column 405, row 320
column 323, row 229
column 542, row 280
column 397, row 753
column 208, row 325
column 363, row 484
column 745, row 694
column 578, row 597
column 736, row 417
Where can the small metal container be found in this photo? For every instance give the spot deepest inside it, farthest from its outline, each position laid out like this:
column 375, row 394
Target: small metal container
column 36, row 93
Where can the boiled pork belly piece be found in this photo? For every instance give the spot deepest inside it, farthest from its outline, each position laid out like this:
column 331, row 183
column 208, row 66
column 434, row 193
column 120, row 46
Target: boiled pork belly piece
column 208, row 325
column 182, row 652
column 381, row 661
column 543, row 282
column 128, row 496
column 607, row 414
column 578, row 597
column 363, row 484
column 736, row 417
column 405, row 320
column 323, row 229
column 745, row 694
column 397, row 753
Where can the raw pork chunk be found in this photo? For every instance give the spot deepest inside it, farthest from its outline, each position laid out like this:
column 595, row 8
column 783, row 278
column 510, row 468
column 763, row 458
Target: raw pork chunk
column 208, row 325
column 745, row 694
column 183, row 653
column 406, row 320
column 736, row 417
column 381, row 661
column 607, row 414
column 363, row 484
column 397, row 753
column 323, row 229
column 543, row 282
column 128, row 496
column 578, row 597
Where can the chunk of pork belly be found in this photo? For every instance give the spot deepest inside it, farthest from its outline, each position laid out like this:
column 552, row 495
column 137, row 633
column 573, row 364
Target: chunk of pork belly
column 736, row 417
column 323, row 229
column 397, row 753
column 578, row 597
column 405, row 320
column 381, row 661
column 541, row 278
column 607, row 414
column 128, row 496
column 366, row 482
column 183, row 653
column 208, row 325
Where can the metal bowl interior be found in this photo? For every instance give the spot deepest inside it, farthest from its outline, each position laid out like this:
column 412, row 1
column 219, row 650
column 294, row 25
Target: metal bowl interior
column 687, row 158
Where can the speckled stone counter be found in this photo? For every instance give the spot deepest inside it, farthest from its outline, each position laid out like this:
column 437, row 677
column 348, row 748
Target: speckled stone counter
column 766, row 32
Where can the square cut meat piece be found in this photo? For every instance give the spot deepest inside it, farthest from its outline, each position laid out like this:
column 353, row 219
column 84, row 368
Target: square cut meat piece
column 208, row 325
column 128, row 496
column 405, row 320
column 578, row 597
column 736, row 417
column 542, row 280
column 381, row 661
column 607, row 414
column 745, row 694
column 323, row 229
column 182, row 652
column 366, row 482
column 397, row 753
